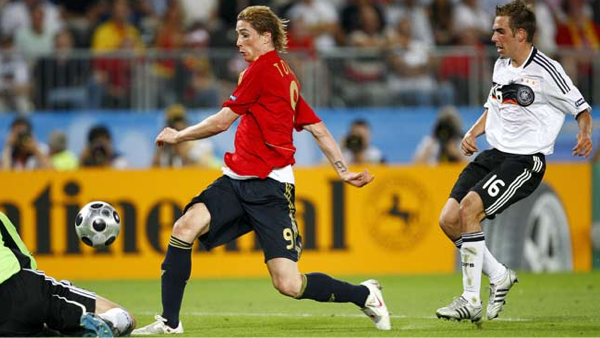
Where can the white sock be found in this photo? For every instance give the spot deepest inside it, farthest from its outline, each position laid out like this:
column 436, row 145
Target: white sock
column 472, row 253
column 120, row 319
column 492, row 268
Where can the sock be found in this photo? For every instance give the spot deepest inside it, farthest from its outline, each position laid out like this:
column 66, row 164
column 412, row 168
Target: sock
column 458, row 243
column 176, row 270
column 472, row 253
column 323, row 288
column 120, row 319
column 493, row 268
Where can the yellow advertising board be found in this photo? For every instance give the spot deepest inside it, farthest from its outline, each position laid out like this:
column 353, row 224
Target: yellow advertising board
column 387, row 227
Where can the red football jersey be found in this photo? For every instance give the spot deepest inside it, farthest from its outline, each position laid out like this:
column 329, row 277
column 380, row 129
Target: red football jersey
column 268, row 98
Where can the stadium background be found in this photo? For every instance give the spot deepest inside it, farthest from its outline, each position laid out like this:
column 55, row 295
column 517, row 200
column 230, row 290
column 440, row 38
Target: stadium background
column 392, row 222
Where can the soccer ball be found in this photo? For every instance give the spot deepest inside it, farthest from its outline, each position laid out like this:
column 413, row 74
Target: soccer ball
column 98, row 224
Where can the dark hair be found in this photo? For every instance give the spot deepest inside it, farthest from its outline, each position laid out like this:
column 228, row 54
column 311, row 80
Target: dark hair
column 361, row 122
column 98, row 131
column 21, row 121
column 445, row 129
column 355, row 142
column 520, row 15
column 264, row 20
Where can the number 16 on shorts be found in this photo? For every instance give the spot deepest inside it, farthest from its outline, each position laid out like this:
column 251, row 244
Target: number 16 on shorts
column 492, row 186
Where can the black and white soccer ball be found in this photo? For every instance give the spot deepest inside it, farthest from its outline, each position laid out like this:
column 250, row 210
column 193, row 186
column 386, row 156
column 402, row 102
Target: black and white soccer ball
column 98, row 224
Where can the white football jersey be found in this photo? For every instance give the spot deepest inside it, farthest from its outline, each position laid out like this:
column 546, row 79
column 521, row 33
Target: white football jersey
column 527, row 104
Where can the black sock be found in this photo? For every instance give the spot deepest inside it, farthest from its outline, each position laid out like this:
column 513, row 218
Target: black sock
column 323, row 288
column 176, row 270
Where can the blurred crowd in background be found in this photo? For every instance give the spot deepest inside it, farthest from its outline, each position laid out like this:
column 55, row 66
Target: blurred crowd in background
column 173, row 55
column 148, row 54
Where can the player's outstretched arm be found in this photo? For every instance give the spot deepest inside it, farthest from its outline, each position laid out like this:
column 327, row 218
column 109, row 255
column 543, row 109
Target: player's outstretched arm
column 333, row 153
column 584, row 138
column 208, row 127
column 469, row 141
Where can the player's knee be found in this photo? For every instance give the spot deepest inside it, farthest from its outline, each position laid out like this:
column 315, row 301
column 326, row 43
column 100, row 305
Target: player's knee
column 449, row 221
column 191, row 225
column 469, row 208
column 286, row 286
column 183, row 228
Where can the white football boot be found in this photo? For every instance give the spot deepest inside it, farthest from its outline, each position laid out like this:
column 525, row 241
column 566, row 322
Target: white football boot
column 158, row 327
column 375, row 306
column 461, row 309
column 498, row 293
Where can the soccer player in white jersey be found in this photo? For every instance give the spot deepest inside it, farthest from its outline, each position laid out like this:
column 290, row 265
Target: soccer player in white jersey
column 526, row 108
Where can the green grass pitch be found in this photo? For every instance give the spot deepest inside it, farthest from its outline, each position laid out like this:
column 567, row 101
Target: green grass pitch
column 540, row 305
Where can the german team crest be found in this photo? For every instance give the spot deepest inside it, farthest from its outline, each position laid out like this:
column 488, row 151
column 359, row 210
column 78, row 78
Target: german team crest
column 525, row 96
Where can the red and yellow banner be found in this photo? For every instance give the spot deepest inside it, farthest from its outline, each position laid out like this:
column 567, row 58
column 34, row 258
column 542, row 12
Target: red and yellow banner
column 387, row 227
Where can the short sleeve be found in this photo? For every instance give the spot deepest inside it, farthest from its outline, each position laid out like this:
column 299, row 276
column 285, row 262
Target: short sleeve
column 488, row 102
column 561, row 92
column 305, row 115
column 247, row 92
column 497, row 66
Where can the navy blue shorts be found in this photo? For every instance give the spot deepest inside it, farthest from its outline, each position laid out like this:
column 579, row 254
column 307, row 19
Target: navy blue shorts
column 500, row 179
column 264, row 205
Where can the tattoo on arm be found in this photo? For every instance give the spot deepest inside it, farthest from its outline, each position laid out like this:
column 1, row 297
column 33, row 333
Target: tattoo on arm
column 339, row 165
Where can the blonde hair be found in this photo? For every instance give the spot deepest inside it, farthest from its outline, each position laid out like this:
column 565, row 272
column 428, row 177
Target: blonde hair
column 264, row 20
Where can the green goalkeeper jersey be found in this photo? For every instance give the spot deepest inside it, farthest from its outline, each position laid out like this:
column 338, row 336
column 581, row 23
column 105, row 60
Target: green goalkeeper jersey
column 13, row 253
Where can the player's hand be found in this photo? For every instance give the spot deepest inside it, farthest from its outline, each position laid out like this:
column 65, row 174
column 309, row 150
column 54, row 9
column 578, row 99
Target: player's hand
column 357, row 179
column 468, row 145
column 584, row 145
column 166, row 136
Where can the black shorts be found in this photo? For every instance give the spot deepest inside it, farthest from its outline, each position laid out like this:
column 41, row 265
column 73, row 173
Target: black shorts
column 240, row 206
column 500, row 179
column 30, row 299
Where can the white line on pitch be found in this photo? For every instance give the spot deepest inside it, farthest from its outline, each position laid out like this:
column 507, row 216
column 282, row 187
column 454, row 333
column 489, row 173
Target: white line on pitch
column 275, row 314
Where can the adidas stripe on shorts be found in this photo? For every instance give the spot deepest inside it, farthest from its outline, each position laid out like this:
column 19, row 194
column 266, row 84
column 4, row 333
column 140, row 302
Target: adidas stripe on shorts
column 29, row 299
column 500, row 179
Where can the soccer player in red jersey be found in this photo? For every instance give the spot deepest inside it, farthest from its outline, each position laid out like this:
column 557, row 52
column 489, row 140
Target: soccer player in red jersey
column 256, row 191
